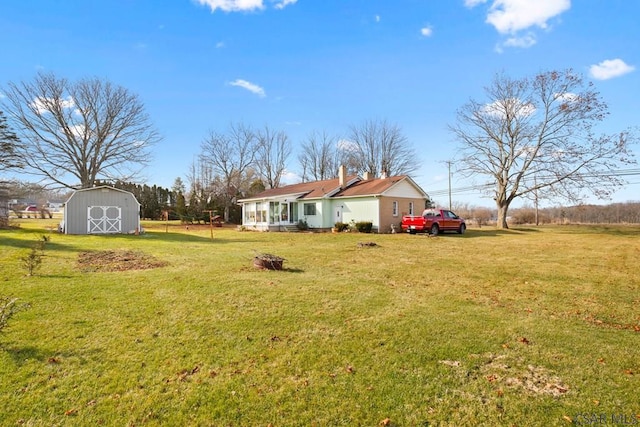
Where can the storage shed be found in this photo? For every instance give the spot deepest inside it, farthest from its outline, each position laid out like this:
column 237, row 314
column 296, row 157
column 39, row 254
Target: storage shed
column 101, row 210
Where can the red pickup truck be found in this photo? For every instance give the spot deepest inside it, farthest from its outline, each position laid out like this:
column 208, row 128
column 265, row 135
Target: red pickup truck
column 433, row 221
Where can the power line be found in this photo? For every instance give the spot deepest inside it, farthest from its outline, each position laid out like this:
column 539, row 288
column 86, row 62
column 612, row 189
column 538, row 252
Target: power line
column 489, row 186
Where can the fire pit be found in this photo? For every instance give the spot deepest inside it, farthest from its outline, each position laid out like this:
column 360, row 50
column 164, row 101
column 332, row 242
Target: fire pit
column 268, row 261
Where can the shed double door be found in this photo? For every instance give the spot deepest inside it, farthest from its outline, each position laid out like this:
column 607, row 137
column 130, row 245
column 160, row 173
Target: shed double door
column 104, row 219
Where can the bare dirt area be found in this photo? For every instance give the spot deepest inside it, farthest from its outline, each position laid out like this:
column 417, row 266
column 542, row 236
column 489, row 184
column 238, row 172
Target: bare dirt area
column 117, row 260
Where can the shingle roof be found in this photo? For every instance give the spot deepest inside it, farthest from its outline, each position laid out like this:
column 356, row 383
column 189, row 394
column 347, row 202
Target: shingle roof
column 331, row 188
column 372, row 187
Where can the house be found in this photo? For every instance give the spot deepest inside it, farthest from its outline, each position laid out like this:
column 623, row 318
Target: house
column 101, row 210
column 321, row 204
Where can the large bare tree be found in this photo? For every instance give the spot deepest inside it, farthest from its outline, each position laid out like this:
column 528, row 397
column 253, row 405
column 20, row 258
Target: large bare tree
column 319, row 157
column 380, row 147
column 230, row 156
column 76, row 132
column 536, row 136
column 273, row 149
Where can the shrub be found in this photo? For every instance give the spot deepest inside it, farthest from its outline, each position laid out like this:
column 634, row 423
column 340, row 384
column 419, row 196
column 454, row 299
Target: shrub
column 32, row 260
column 341, row 226
column 302, row 225
column 364, row 226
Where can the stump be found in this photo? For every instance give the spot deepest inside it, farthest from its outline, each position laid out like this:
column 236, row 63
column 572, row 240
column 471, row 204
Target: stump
column 268, row 261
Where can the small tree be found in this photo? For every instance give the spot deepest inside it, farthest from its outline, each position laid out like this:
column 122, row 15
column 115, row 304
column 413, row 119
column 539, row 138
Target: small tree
column 537, row 135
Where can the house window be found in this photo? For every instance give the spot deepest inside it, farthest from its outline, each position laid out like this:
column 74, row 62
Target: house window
column 250, row 212
column 410, row 208
column 261, row 212
column 309, row 209
column 395, row 208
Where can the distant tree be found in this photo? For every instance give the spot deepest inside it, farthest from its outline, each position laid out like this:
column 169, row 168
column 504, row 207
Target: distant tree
column 178, row 186
column 230, row 157
column 319, row 157
column 482, row 215
column 75, row 132
column 257, row 186
column 536, row 135
column 273, row 149
column 181, row 205
column 380, row 147
column 9, row 157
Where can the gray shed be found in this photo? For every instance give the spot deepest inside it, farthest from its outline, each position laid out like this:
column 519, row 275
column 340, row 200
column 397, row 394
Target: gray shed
column 101, row 210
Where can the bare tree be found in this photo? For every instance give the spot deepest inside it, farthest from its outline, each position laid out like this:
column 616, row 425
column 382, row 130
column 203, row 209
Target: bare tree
column 320, row 157
column 536, row 137
column 272, row 152
column 230, row 156
column 81, row 130
column 381, row 147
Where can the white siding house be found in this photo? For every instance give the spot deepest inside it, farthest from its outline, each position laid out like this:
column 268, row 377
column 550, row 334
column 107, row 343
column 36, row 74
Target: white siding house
column 321, row 204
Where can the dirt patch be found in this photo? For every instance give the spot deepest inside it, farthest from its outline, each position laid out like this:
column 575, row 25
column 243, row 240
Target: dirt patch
column 117, row 260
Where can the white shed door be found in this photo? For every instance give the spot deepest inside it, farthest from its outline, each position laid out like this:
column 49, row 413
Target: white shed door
column 104, row 219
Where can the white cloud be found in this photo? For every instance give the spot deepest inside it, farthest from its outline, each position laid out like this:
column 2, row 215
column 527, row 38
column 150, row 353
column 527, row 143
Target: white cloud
column 249, row 86
column 473, row 3
column 232, row 5
column 377, row 18
column 426, row 31
column 220, row 45
column 284, row 3
column 522, row 41
column 609, row 69
column 512, row 105
column 289, row 177
column 511, row 16
column 567, row 97
column 347, row 146
column 41, row 104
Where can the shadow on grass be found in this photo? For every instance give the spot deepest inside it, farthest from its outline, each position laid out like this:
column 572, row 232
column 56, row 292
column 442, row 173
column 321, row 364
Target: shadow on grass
column 21, row 355
column 25, row 239
column 30, row 243
column 608, row 229
column 494, row 232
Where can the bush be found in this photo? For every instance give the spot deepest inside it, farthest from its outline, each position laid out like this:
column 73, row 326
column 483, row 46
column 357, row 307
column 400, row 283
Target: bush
column 302, row 225
column 32, row 260
column 341, row 226
column 364, row 226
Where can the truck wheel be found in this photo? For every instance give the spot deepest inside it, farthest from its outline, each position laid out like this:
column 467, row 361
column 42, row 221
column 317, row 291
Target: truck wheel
column 434, row 229
column 462, row 229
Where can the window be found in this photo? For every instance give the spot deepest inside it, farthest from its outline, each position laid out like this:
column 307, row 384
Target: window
column 309, row 209
column 261, row 212
column 410, row 208
column 395, row 208
column 250, row 212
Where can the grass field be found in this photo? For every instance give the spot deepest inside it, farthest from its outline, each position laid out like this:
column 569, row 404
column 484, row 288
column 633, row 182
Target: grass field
column 531, row 326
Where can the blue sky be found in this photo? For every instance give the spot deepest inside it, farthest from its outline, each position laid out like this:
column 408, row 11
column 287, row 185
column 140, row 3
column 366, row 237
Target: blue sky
column 321, row 65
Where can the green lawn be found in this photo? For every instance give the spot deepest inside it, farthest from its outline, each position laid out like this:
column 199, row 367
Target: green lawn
column 532, row 326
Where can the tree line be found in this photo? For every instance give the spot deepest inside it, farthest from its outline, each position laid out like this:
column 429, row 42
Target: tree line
column 532, row 137
column 613, row 213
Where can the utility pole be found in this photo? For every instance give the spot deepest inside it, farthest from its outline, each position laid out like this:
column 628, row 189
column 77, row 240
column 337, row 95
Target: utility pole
column 449, row 165
column 535, row 193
